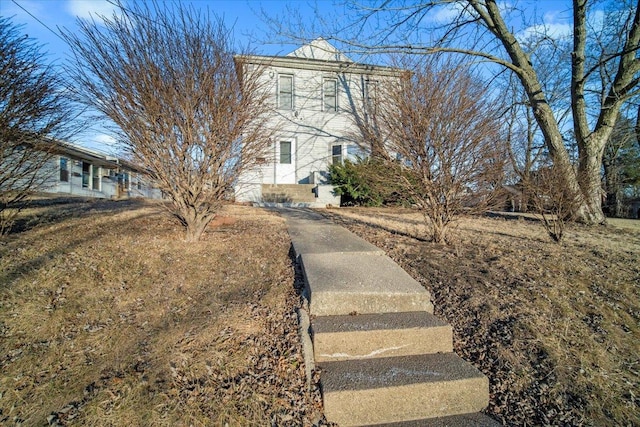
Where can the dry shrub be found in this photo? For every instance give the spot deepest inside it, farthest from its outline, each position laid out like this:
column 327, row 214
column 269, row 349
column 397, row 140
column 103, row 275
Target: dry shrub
column 554, row 327
column 439, row 122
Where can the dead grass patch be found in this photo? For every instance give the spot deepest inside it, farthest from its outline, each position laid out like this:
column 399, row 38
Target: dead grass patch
column 108, row 318
column 556, row 328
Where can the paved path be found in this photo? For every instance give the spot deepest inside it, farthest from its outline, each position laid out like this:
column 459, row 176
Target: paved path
column 384, row 358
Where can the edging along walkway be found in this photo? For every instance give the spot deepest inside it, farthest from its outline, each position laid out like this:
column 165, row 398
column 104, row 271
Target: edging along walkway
column 384, row 359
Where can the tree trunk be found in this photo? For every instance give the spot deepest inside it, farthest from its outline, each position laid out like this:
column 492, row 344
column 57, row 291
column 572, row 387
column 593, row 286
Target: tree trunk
column 194, row 228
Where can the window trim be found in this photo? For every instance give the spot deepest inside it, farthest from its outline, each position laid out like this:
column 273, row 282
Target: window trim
column 325, row 105
column 291, row 105
column 290, row 153
column 371, row 95
column 336, row 159
column 96, row 178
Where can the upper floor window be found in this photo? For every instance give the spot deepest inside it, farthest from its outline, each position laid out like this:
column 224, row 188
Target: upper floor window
column 329, row 95
column 371, row 95
column 285, row 92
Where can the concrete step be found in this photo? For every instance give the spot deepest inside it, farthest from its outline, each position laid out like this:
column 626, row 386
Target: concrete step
column 403, row 388
column 356, row 282
column 465, row 420
column 367, row 336
column 288, row 193
column 323, row 238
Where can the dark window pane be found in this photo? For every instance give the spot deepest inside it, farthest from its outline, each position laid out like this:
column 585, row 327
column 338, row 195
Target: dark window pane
column 64, row 170
column 336, row 154
column 86, row 174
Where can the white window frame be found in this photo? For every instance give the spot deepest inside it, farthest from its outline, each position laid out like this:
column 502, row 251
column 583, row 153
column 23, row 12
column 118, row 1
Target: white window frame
column 371, row 95
column 325, row 106
column 290, row 162
column 291, row 105
column 89, row 182
column 339, row 157
column 96, row 177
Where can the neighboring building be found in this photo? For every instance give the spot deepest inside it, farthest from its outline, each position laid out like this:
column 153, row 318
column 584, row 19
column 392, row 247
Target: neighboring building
column 79, row 171
column 317, row 94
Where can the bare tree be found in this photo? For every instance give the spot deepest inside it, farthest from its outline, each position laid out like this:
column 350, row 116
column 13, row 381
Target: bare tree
column 552, row 199
column 621, row 165
column 33, row 109
column 483, row 29
column 185, row 109
column 438, row 122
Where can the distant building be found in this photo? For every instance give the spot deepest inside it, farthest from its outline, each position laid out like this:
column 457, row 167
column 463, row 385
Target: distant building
column 78, row 171
column 317, row 91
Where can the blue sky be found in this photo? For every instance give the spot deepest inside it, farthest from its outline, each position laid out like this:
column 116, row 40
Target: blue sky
column 42, row 18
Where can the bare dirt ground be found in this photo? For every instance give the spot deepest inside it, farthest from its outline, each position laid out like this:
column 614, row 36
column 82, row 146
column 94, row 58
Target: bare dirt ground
column 555, row 327
column 108, row 318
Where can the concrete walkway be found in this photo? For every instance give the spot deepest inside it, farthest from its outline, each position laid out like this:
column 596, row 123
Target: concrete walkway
column 384, row 359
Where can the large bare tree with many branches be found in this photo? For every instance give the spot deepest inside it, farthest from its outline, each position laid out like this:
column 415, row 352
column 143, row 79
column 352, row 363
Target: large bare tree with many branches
column 186, row 111
column 602, row 77
column 435, row 119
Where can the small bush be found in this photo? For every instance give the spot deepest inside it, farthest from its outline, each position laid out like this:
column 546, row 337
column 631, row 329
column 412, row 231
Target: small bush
column 352, row 183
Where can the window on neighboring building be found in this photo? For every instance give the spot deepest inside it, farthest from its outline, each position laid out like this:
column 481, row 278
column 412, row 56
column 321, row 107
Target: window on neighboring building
column 329, row 94
column 86, row 175
column 336, row 154
column 285, row 152
column 285, row 92
column 64, row 169
column 95, row 177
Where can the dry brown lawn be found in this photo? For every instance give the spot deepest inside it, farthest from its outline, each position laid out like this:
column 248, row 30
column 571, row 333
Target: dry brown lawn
column 108, row 318
column 555, row 327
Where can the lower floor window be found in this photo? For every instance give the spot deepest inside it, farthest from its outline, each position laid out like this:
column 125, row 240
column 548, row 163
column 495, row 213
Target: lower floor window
column 86, row 175
column 336, row 154
column 285, row 152
column 64, row 169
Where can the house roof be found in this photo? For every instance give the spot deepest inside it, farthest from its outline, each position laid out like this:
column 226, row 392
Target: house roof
column 319, row 49
column 319, row 54
column 98, row 158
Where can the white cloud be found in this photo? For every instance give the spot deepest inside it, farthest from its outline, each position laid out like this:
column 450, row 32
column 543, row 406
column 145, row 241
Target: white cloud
column 104, row 140
column 553, row 26
column 87, row 9
column 445, row 14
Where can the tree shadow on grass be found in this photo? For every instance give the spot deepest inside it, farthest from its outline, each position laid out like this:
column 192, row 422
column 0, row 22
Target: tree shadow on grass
column 347, row 221
column 50, row 211
column 63, row 247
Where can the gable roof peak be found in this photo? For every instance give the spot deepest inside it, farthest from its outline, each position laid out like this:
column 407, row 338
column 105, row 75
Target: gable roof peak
column 319, row 49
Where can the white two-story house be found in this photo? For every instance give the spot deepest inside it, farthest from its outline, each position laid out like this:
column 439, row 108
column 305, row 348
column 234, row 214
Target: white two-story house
column 319, row 94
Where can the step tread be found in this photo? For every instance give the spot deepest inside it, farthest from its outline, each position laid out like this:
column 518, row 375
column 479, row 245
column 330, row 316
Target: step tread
column 377, row 321
column 465, row 420
column 363, row 374
column 339, row 283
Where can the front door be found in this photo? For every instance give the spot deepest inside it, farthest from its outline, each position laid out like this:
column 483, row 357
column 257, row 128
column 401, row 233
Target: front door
column 285, row 172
